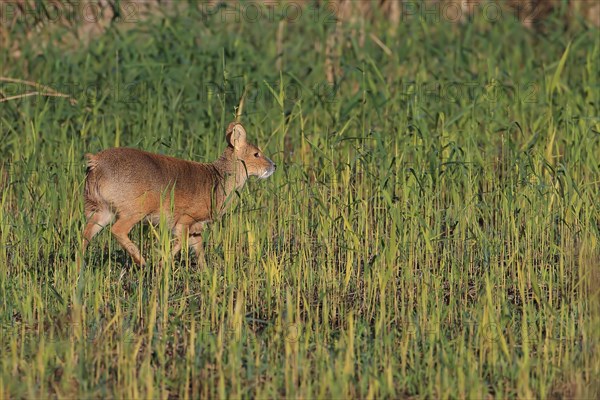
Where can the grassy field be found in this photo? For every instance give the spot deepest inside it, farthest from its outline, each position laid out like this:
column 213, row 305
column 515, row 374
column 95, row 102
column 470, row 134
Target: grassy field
column 432, row 230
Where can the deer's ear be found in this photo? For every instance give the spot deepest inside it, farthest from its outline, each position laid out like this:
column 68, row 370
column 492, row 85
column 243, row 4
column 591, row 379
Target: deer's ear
column 236, row 135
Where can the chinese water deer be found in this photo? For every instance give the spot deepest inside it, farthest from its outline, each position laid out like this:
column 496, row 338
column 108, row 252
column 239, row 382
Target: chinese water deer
column 133, row 185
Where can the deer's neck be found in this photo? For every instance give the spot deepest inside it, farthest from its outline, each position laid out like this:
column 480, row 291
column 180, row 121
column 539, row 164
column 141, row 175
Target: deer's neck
column 231, row 175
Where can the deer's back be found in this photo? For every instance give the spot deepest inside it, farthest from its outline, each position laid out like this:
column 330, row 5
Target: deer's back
column 131, row 180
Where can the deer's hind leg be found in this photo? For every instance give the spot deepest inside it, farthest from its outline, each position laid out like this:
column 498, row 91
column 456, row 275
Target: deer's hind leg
column 121, row 229
column 97, row 220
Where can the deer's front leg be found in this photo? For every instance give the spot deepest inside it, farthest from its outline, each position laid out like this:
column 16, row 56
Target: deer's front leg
column 195, row 242
column 180, row 232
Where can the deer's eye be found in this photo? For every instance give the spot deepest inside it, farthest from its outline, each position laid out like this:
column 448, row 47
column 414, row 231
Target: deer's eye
column 256, row 155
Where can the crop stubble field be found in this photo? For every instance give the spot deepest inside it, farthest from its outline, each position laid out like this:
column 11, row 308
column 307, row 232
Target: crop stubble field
column 431, row 231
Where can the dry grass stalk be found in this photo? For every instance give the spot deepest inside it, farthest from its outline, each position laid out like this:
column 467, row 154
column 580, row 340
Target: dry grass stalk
column 40, row 90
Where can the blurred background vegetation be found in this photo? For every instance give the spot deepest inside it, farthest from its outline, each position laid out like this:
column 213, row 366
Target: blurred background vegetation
column 79, row 21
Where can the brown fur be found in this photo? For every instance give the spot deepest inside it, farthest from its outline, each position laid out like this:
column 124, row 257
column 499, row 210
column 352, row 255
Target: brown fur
column 134, row 185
